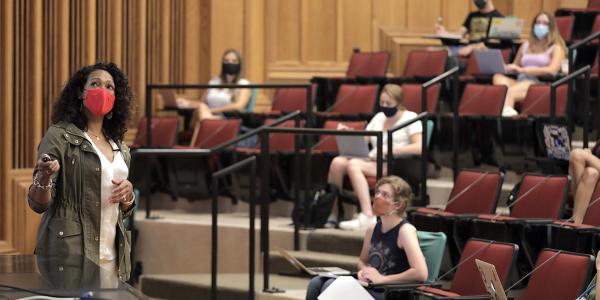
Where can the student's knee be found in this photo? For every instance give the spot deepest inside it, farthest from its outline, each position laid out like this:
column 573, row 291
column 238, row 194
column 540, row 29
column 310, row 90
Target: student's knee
column 499, row 79
column 577, row 155
column 590, row 175
column 354, row 167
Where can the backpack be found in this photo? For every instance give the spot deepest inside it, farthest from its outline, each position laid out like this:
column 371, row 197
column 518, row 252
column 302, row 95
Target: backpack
column 320, row 204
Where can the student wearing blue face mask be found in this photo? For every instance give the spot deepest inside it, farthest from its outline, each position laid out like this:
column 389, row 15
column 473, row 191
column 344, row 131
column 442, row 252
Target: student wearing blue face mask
column 540, row 55
column 405, row 141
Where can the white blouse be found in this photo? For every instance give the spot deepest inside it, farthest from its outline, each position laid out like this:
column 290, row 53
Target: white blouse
column 221, row 97
column 109, row 214
column 400, row 137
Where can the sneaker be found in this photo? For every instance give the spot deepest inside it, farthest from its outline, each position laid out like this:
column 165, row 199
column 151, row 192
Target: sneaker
column 360, row 222
column 508, row 111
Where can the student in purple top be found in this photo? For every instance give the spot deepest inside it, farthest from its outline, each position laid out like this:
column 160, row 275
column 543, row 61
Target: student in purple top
column 540, row 55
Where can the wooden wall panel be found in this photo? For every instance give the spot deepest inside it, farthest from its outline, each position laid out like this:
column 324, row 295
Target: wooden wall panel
column 422, row 15
column 319, row 31
column 283, row 31
column 356, row 18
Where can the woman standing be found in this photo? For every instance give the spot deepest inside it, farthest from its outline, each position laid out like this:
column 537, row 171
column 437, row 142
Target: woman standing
column 80, row 179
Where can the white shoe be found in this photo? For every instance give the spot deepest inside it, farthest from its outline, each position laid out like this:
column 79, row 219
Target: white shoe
column 360, row 222
column 508, row 111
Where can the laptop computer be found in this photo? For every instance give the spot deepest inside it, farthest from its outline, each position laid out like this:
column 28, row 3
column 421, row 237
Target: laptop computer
column 352, row 146
column 332, row 272
column 490, row 61
column 491, row 281
column 505, row 28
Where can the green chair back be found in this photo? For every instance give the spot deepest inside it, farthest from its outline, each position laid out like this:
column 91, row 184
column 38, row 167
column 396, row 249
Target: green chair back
column 433, row 245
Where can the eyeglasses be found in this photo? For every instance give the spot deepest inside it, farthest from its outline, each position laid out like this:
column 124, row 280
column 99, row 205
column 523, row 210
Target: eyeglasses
column 383, row 194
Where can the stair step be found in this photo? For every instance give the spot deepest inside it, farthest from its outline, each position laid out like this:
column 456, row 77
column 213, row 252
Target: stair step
column 335, row 241
column 280, row 265
column 231, row 286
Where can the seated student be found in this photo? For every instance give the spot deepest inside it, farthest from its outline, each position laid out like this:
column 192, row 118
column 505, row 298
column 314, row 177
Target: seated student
column 590, row 291
column 541, row 55
column 390, row 252
column 475, row 25
column 217, row 101
column 406, row 141
column 584, row 168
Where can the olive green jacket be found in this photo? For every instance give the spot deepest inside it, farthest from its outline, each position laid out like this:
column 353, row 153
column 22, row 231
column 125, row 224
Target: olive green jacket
column 71, row 222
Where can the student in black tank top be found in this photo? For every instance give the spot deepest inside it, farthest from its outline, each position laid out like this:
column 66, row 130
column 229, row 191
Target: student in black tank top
column 390, row 252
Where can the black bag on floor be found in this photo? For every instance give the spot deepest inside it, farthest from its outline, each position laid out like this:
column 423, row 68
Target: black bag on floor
column 319, row 207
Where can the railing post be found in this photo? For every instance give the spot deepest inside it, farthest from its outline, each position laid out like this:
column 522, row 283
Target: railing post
column 586, row 101
column 265, row 201
column 149, row 115
column 380, row 154
column 252, row 233
column 213, row 248
column 297, row 181
column 455, row 125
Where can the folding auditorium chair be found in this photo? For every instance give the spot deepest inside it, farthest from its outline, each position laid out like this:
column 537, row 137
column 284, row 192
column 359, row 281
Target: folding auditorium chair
column 432, row 245
column 564, row 25
column 287, row 100
column 480, row 109
column 352, row 102
column 164, row 135
column 412, row 97
column 364, row 67
column 568, row 236
column 189, row 177
column 474, row 192
column 539, row 201
column 368, row 64
column 466, row 280
column 422, row 65
column 281, row 150
column 559, row 275
column 517, row 136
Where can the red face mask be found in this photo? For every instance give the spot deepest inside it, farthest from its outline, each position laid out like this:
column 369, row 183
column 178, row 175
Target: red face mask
column 382, row 207
column 99, row 101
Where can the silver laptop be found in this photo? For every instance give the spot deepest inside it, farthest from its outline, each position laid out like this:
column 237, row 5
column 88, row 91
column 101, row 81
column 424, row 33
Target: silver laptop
column 490, row 61
column 352, row 146
column 505, row 28
column 332, row 272
column 491, row 280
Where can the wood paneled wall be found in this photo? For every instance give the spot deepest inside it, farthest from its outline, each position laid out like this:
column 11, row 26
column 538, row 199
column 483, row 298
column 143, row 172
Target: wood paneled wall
column 181, row 41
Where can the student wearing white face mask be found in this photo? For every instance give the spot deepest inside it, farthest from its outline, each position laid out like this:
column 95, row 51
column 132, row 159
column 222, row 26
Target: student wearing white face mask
column 540, row 55
column 405, row 141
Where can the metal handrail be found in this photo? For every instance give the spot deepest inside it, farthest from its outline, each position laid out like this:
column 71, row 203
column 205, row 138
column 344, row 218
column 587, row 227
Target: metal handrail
column 586, row 70
column 251, row 161
column 571, row 63
column 150, row 87
column 265, row 179
column 421, row 117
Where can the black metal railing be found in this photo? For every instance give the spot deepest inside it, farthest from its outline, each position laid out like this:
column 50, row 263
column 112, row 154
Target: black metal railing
column 251, row 162
column 586, row 70
column 151, row 87
column 423, row 117
column 572, row 50
column 265, row 179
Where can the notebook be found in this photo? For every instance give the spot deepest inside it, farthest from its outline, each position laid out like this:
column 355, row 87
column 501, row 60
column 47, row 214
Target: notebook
column 491, row 281
column 333, row 272
column 352, row 146
column 490, row 61
column 505, row 28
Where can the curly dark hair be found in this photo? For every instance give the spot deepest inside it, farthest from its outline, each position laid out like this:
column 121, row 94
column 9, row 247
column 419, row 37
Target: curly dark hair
column 68, row 107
